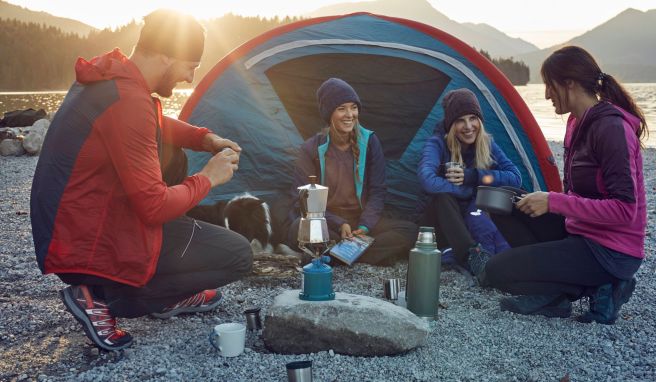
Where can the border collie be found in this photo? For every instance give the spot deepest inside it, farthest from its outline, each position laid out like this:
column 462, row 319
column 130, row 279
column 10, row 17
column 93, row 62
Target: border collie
column 244, row 214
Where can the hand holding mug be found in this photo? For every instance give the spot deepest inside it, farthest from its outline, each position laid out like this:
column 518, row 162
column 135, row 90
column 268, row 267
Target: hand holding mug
column 220, row 168
column 454, row 173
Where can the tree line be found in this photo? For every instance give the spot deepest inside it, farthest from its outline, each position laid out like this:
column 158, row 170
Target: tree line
column 40, row 57
column 516, row 71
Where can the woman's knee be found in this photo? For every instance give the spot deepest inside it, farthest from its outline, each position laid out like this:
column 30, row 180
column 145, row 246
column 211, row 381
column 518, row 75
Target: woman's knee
column 497, row 270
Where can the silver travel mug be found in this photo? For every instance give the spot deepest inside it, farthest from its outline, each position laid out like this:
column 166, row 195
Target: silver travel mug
column 299, row 371
column 253, row 321
column 392, row 287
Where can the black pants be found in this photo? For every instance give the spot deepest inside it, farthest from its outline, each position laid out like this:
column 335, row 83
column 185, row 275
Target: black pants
column 393, row 240
column 544, row 259
column 445, row 214
column 195, row 256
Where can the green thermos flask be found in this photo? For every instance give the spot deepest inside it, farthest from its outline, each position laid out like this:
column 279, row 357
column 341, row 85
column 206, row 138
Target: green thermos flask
column 423, row 278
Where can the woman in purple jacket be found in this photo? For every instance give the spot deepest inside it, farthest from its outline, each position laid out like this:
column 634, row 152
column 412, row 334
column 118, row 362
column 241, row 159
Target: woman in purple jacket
column 349, row 160
column 589, row 240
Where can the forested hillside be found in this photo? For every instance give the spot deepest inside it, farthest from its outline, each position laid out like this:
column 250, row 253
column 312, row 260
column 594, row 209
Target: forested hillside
column 37, row 57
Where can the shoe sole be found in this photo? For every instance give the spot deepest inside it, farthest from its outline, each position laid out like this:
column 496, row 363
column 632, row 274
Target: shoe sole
column 189, row 309
column 82, row 318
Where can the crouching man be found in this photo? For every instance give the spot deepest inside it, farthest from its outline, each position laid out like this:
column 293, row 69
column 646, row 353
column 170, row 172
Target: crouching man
column 103, row 219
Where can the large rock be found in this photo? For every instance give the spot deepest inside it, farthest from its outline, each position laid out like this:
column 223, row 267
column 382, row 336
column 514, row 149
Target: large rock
column 350, row 324
column 34, row 136
column 10, row 147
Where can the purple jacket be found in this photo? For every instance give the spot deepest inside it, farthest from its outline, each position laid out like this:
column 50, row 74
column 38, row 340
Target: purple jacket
column 604, row 197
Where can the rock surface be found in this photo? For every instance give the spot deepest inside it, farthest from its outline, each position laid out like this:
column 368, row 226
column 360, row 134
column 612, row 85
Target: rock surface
column 11, row 147
column 350, row 324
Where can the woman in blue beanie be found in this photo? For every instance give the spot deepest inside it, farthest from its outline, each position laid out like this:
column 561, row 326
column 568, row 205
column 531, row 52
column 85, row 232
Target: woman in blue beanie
column 349, row 160
column 462, row 144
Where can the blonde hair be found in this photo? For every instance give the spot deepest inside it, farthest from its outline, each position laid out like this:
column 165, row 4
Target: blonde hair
column 483, row 156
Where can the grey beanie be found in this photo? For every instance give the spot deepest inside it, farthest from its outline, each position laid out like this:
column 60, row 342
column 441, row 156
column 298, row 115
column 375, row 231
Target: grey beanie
column 332, row 93
column 457, row 103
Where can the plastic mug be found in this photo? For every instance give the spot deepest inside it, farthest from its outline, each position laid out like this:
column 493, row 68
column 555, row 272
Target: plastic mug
column 449, row 165
column 229, row 339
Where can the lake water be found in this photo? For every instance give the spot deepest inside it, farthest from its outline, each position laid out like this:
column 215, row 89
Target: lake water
column 553, row 126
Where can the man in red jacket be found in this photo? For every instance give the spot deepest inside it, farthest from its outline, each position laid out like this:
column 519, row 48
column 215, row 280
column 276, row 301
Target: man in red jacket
column 104, row 219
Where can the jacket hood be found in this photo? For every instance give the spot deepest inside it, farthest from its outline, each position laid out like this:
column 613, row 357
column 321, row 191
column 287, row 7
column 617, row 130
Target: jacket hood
column 109, row 66
column 607, row 109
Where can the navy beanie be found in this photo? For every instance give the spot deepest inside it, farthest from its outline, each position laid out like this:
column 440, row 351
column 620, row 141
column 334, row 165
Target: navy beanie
column 332, row 93
column 457, row 103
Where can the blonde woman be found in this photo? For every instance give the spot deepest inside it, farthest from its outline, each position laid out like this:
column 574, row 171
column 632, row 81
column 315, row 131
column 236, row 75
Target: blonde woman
column 458, row 158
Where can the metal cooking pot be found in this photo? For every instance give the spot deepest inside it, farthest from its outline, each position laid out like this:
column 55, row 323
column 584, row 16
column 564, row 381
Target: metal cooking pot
column 496, row 200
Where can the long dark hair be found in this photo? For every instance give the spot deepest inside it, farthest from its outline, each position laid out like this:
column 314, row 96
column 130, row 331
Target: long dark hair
column 576, row 64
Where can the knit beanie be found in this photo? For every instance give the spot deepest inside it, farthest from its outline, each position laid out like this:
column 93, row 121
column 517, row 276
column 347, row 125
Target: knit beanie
column 457, row 103
column 332, row 93
column 173, row 34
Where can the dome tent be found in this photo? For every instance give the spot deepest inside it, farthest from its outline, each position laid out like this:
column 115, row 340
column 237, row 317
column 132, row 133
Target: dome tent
column 262, row 95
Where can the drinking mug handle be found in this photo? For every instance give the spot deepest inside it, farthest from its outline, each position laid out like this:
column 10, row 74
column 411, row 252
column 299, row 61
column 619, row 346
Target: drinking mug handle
column 212, row 335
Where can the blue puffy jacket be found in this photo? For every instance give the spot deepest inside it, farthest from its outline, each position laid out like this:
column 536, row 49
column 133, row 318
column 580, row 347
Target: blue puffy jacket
column 502, row 173
column 431, row 170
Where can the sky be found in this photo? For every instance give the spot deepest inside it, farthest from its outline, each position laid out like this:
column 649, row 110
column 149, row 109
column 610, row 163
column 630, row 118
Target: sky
column 543, row 23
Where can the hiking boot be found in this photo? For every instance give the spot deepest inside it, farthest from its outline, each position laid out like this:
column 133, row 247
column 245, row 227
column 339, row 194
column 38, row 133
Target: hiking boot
column 200, row 302
column 606, row 301
column 93, row 313
column 543, row 305
column 477, row 259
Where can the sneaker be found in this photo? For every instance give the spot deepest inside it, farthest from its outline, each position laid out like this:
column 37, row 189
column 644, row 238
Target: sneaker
column 477, row 259
column 200, row 302
column 543, row 305
column 98, row 324
column 606, row 301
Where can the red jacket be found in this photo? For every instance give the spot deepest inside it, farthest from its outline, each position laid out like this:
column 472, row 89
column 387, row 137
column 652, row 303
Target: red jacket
column 98, row 201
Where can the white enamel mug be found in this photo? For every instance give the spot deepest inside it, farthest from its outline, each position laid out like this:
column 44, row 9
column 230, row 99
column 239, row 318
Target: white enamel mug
column 229, row 339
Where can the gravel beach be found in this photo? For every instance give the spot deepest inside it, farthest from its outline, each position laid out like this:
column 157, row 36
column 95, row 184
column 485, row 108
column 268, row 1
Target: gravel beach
column 471, row 341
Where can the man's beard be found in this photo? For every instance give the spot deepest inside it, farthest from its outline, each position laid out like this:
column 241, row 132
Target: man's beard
column 166, row 84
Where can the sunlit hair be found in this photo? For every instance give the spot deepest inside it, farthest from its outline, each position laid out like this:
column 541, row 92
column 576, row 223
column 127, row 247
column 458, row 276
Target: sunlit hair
column 352, row 138
column 483, row 158
column 575, row 64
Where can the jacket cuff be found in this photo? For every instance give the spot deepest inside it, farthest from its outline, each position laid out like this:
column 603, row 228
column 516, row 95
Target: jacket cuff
column 557, row 202
column 471, row 177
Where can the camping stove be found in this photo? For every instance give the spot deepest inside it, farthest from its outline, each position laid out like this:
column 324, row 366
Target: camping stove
column 313, row 239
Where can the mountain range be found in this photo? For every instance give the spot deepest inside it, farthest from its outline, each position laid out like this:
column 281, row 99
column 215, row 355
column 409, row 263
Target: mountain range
column 625, row 45
column 481, row 36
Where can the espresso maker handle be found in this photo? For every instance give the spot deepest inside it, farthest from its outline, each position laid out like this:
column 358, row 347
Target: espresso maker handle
column 303, row 197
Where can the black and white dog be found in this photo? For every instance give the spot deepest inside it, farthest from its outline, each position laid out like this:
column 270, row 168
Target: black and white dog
column 246, row 215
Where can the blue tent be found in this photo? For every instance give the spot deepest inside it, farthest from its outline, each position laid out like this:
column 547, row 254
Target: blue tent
column 262, row 95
